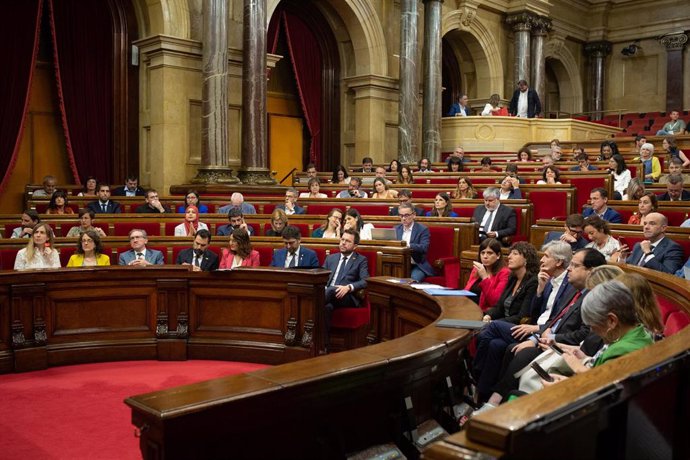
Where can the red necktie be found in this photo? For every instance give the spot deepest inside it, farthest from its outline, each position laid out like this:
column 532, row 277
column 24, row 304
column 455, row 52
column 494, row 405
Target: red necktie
column 565, row 310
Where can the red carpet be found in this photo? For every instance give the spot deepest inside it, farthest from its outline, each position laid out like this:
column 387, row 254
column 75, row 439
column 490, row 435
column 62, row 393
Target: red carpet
column 77, row 412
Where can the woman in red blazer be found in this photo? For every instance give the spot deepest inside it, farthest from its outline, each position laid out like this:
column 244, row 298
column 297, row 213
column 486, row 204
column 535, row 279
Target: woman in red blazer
column 239, row 252
column 489, row 276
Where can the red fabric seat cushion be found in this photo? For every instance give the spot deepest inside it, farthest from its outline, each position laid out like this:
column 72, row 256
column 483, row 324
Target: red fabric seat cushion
column 351, row 318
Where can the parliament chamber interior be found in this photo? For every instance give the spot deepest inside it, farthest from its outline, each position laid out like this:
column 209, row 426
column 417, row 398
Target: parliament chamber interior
column 450, row 170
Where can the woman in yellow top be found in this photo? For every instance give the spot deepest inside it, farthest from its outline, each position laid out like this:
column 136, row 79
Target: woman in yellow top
column 89, row 251
column 651, row 165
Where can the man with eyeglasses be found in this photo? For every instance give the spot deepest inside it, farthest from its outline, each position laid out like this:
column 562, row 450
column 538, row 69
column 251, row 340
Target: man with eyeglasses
column 572, row 234
column 405, row 196
column 495, row 220
column 140, row 255
column 417, row 238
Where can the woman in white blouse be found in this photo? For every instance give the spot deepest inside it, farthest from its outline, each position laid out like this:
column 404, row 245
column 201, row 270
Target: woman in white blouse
column 620, row 173
column 597, row 230
column 493, row 106
column 191, row 223
column 314, row 187
column 39, row 252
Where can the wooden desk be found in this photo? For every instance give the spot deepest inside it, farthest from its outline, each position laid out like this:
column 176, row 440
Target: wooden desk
column 59, row 317
column 322, row 407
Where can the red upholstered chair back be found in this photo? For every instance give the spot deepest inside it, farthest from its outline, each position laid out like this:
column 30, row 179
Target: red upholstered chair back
column 371, row 260
column 322, row 209
column 441, row 243
column 583, row 186
column 265, row 255
column 373, row 210
column 65, row 254
column 269, row 208
column 7, row 257
column 675, row 218
column 123, row 228
column 625, row 214
column 672, row 316
column 466, row 211
column 549, row 203
column 9, row 228
column 321, row 254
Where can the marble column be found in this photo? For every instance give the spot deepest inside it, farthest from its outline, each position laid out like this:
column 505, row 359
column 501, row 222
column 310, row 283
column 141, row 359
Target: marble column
column 674, row 45
column 540, row 27
column 431, row 109
column 214, row 95
column 254, row 168
column 597, row 52
column 522, row 26
column 408, row 107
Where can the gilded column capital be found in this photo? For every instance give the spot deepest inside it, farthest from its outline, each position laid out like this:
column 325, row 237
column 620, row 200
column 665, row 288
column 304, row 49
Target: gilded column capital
column 674, row 41
column 600, row 48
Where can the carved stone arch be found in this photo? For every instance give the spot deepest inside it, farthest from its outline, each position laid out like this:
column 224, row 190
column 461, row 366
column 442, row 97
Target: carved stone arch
column 565, row 67
column 482, row 45
column 165, row 17
column 364, row 30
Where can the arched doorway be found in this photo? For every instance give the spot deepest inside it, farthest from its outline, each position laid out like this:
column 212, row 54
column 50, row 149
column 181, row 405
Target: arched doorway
column 303, row 85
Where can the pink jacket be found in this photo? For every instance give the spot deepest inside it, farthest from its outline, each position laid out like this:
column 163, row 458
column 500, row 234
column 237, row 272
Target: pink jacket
column 492, row 287
column 227, row 256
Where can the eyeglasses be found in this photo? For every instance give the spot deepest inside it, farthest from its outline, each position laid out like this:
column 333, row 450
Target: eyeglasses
column 403, row 216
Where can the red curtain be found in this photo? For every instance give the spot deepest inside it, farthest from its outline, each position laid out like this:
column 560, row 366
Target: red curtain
column 19, row 32
column 83, row 56
column 307, row 65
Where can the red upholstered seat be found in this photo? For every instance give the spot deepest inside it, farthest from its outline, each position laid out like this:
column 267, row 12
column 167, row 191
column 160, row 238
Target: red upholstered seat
column 265, row 255
column 549, row 203
column 65, row 254
column 7, row 257
column 440, row 255
column 675, row 322
column 123, row 228
column 351, row 318
column 373, row 210
column 583, row 185
column 322, row 209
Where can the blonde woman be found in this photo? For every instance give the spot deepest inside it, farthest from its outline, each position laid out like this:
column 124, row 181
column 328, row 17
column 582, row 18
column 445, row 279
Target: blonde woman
column 493, row 106
column 38, row 253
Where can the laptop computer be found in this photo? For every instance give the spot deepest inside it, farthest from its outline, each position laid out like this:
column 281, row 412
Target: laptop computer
column 383, row 234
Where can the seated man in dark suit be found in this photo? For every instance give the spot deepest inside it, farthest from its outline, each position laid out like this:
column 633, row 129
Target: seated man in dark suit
column 495, row 220
column 199, row 257
column 153, row 204
column 656, row 251
column 290, row 206
column 417, row 237
column 598, row 198
column 140, row 255
column 131, row 188
column 405, row 196
column 236, row 218
column 103, row 205
column 574, row 228
column 674, row 189
column 349, row 273
column 294, row 254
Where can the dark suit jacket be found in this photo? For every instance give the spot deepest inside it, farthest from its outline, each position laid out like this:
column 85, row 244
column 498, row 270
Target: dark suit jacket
column 539, row 301
column 307, row 258
column 209, row 260
column 571, row 330
column 226, row 230
column 111, row 208
column 146, row 209
column 668, row 256
column 521, row 304
column 152, row 256
column 505, row 222
column 533, row 103
column 611, row 215
column 419, row 244
column 684, row 196
column 298, row 209
column 120, row 191
column 355, row 272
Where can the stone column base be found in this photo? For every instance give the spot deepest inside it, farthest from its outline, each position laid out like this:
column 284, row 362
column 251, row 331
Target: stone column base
column 214, row 175
column 256, row 176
